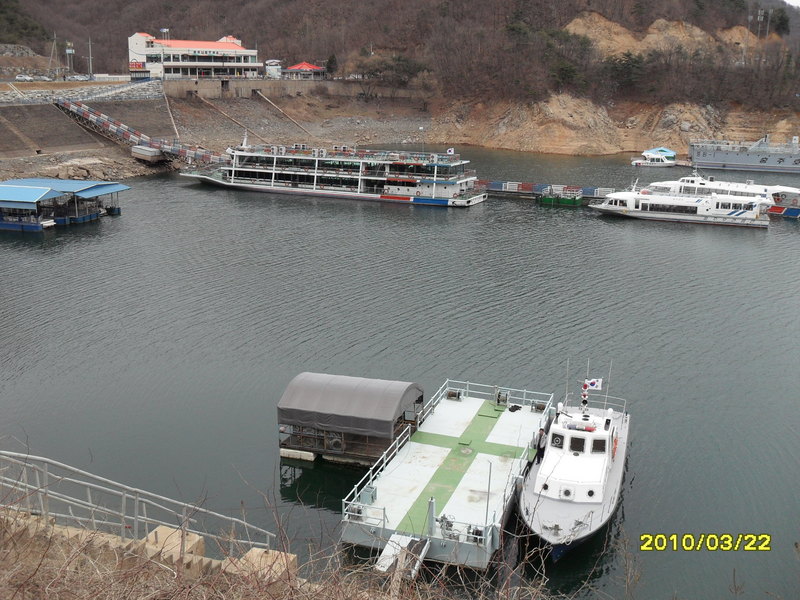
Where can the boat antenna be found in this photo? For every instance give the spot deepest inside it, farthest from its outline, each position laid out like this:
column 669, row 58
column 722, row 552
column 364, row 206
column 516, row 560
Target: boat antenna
column 566, row 382
column 610, row 364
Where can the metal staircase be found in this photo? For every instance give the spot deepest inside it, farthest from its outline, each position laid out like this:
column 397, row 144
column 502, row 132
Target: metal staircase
column 83, row 504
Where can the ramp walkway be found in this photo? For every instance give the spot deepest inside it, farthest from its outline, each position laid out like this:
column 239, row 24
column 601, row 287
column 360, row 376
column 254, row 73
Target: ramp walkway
column 111, row 128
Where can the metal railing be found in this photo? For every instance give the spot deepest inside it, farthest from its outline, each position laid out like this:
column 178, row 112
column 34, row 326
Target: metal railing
column 120, row 132
column 43, row 487
column 598, row 400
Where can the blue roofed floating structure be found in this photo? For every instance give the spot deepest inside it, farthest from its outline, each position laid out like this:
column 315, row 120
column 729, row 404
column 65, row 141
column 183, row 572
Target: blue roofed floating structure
column 36, row 204
column 666, row 152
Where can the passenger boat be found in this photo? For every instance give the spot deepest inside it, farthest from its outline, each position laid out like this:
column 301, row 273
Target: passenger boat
column 762, row 155
column 428, row 178
column 657, row 157
column 695, row 199
column 786, row 204
column 576, row 487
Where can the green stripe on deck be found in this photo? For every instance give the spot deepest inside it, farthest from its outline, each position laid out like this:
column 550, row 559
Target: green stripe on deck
column 445, row 480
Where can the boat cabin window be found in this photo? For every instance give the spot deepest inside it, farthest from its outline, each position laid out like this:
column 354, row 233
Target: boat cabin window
column 557, row 441
column 598, row 446
column 734, row 206
column 577, row 444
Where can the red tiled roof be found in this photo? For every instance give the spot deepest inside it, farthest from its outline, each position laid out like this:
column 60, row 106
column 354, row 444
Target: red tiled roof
column 305, row 66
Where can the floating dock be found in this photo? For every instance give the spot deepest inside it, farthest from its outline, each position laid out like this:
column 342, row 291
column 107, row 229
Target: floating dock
column 36, row 204
column 445, row 491
column 549, row 194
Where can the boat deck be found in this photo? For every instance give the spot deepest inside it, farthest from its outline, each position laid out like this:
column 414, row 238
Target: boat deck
column 454, row 479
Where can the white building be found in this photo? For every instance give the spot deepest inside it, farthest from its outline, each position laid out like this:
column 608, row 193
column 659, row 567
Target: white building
column 272, row 69
column 175, row 59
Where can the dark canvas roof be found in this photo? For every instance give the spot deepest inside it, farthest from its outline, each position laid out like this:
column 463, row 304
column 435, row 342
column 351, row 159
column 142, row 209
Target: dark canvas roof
column 346, row 404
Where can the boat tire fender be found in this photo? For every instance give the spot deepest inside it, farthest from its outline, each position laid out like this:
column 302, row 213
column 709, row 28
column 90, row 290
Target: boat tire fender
column 417, row 193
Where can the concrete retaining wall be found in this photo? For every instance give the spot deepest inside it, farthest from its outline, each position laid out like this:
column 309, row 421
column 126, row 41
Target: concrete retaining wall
column 245, row 88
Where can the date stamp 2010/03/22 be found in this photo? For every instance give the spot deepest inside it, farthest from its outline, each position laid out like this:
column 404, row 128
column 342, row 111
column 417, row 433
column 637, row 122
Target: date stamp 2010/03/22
column 692, row 542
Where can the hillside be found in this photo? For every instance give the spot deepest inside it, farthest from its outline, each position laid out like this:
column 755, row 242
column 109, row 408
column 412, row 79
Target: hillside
column 684, row 50
column 627, row 114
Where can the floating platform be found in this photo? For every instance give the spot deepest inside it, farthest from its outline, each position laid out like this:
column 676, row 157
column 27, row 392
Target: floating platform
column 148, row 154
column 548, row 194
column 345, row 419
column 446, row 490
column 36, row 204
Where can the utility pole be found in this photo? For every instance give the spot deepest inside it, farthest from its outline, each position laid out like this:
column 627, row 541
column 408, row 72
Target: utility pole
column 769, row 18
column 52, row 51
column 69, row 51
column 760, row 20
column 91, row 73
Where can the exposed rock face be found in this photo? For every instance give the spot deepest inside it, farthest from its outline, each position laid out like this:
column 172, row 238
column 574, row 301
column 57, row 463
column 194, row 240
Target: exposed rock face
column 610, row 38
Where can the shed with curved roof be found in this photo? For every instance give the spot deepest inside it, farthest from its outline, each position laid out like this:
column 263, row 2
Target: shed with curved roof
column 345, row 404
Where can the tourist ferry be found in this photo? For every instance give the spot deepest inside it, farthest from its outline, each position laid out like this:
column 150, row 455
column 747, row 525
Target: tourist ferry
column 762, row 155
column 695, row 199
column 576, row 487
column 427, row 178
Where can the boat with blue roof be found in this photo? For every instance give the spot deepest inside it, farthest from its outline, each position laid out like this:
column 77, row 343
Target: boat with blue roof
column 37, row 204
column 656, row 157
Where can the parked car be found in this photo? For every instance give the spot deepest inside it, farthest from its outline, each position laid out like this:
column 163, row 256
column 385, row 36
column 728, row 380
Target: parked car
column 78, row 78
column 23, row 77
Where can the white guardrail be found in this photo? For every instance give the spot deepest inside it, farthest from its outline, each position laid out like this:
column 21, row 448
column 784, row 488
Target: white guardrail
column 70, row 496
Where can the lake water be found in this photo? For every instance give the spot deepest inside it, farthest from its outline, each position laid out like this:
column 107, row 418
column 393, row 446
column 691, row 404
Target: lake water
column 152, row 349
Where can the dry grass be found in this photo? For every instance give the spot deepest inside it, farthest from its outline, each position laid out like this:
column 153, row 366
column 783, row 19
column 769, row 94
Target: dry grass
column 38, row 561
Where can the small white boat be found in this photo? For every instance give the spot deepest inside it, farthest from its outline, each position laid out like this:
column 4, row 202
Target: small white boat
column 576, row 488
column 657, row 157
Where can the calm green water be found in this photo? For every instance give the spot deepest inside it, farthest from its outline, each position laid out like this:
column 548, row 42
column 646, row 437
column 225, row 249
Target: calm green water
column 152, row 349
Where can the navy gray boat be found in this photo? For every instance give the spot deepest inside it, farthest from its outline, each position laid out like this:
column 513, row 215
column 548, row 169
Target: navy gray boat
column 762, row 155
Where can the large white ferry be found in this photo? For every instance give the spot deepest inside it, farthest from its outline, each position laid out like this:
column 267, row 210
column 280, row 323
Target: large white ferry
column 429, row 178
column 576, row 487
column 695, row 199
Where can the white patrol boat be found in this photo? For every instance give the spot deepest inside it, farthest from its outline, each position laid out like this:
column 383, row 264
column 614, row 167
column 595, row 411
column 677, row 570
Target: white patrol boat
column 576, row 488
column 695, row 199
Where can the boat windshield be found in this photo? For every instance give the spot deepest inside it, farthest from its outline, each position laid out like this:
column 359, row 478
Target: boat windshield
column 577, row 444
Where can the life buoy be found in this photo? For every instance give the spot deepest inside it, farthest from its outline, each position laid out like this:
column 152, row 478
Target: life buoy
column 418, row 195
